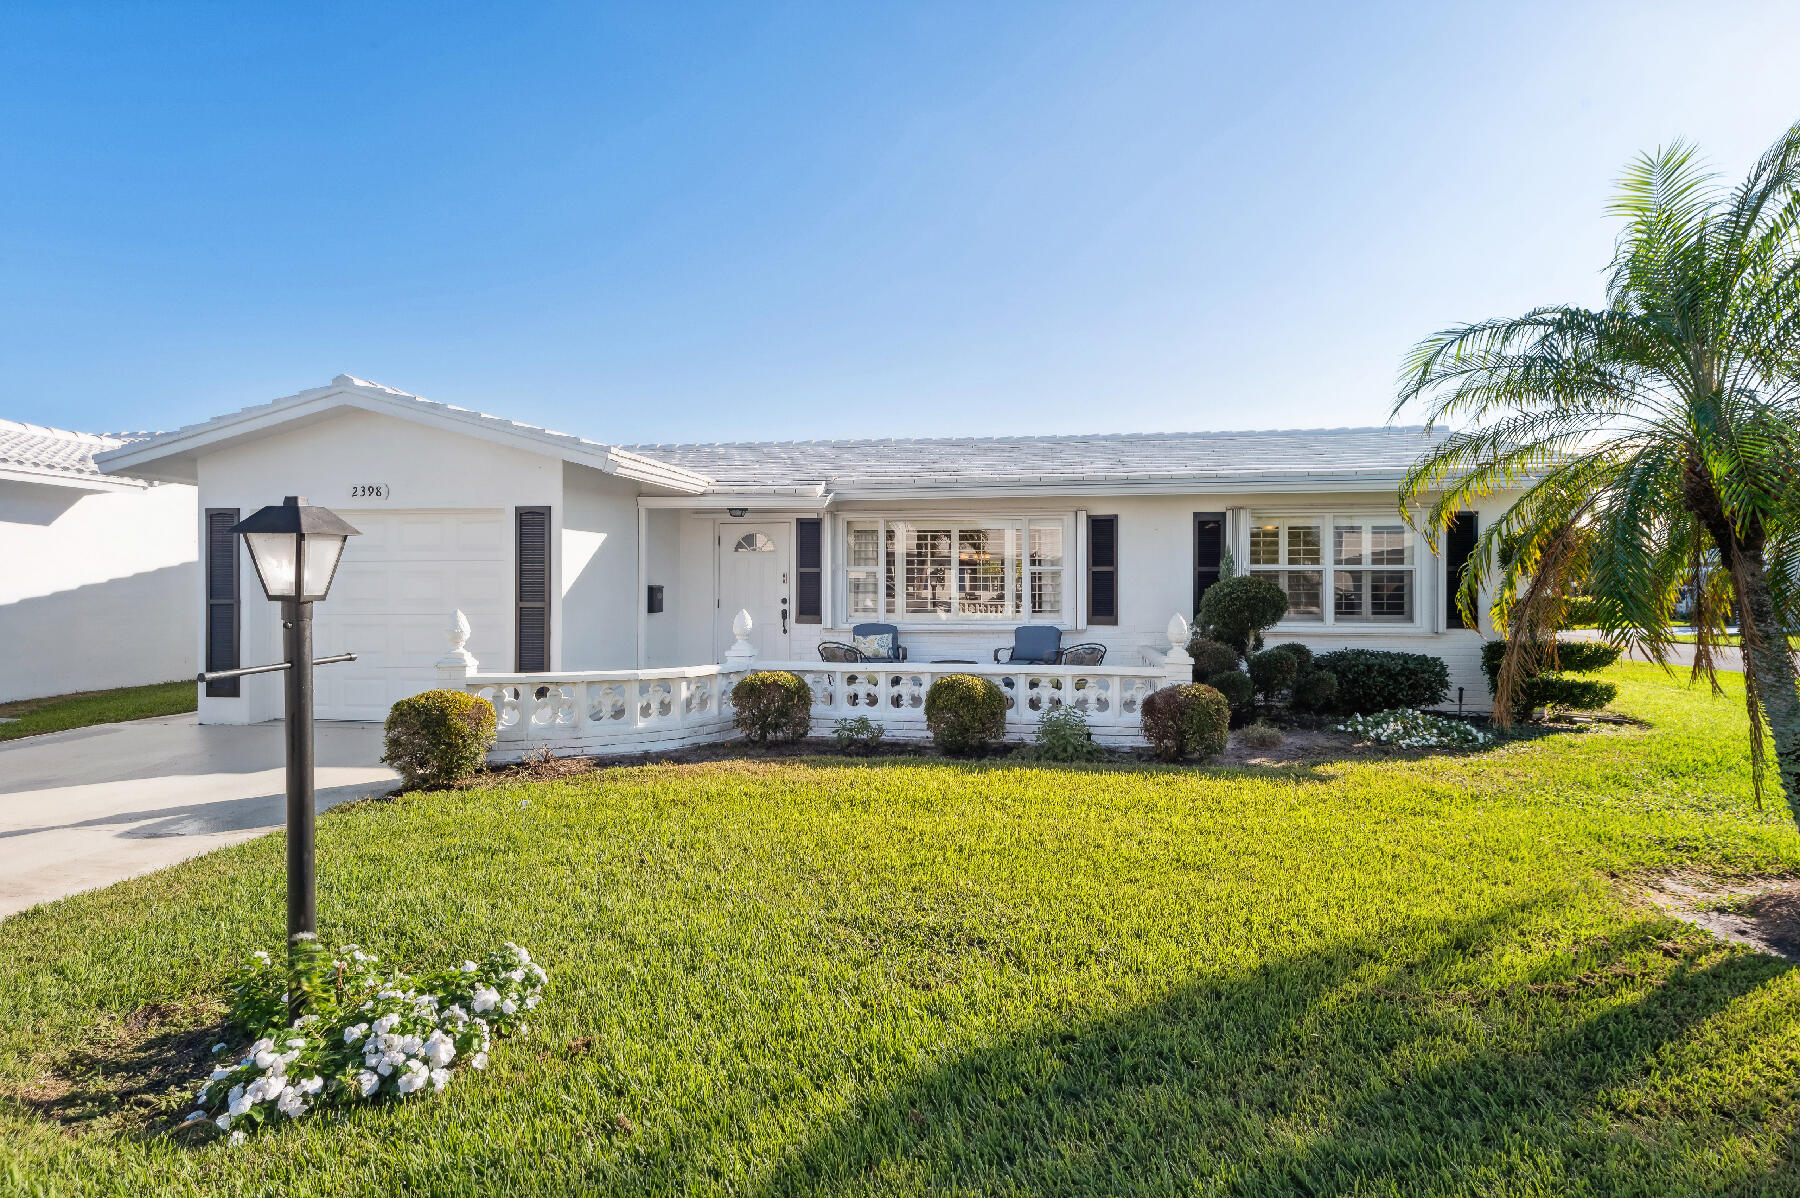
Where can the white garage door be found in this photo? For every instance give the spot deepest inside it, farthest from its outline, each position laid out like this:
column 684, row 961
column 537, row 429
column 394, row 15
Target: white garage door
column 393, row 597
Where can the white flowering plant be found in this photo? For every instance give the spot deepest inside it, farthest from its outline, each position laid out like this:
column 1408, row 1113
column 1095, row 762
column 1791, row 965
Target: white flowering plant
column 1410, row 729
column 365, row 1035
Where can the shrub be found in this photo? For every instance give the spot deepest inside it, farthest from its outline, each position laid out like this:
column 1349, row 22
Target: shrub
column 437, row 737
column 1544, row 687
column 1560, row 690
column 1315, row 692
column 1063, row 735
column 859, row 734
column 1380, row 680
column 1235, row 685
column 1301, row 654
column 1183, row 720
column 1236, row 610
column 1411, row 729
column 1211, row 657
column 1572, row 657
column 964, row 712
column 1261, row 735
column 1273, row 671
column 772, row 705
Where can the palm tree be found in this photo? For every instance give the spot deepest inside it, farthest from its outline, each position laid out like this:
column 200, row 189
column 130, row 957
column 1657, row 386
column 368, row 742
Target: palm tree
column 1650, row 444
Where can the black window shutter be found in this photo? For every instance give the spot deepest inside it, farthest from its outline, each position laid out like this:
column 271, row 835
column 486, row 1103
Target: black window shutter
column 1209, row 551
column 1103, row 570
column 221, row 600
column 532, row 650
column 809, row 562
column 1459, row 546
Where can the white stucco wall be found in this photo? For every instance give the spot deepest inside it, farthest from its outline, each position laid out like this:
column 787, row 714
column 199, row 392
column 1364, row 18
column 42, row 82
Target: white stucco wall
column 422, row 468
column 95, row 588
column 599, row 598
column 663, row 564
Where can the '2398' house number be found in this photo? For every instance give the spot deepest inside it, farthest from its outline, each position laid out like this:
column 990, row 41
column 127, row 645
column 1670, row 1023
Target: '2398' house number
column 368, row 490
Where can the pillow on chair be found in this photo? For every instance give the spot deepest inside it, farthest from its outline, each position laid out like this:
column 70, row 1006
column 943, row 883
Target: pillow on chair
column 879, row 647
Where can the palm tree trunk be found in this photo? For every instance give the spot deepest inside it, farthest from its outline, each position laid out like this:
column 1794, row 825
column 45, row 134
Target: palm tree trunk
column 1772, row 667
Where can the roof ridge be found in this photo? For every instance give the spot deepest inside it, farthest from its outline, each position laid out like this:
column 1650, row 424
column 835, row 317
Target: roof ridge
column 1002, row 438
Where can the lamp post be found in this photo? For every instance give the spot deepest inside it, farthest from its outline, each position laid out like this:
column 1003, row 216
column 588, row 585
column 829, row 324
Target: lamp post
column 296, row 548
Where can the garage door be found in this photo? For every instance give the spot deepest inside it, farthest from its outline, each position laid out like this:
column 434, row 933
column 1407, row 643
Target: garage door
column 393, row 597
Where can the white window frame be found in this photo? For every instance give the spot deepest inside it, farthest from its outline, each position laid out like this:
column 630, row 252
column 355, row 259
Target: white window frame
column 1328, row 523
column 1019, row 571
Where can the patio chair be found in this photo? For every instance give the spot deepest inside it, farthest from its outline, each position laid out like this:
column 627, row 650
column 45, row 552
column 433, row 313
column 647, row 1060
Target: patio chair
column 1091, row 654
column 878, row 642
column 1033, row 644
column 838, row 651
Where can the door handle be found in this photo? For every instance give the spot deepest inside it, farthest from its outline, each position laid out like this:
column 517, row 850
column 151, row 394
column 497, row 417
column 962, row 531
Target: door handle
column 784, row 626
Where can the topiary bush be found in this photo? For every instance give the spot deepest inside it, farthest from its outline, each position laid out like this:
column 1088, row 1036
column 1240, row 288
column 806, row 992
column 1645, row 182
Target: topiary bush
column 1380, row 680
column 1211, row 657
column 772, row 705
column 438, row 737
column 1237, row 610
column 1572, row 657
column 965, row 712
column 1239, row 691
column 1547, row 688
column 1186, row 720
column 1315, row 692
column 1273, row 671
column 1063, row 735
column 1301, row 653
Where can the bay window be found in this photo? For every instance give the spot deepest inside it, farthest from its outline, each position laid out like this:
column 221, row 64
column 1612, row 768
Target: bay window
column 1370, row 572
column 940, row 569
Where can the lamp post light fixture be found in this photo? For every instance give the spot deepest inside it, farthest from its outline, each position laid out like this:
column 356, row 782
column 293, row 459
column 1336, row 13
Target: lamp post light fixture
column 296, row 548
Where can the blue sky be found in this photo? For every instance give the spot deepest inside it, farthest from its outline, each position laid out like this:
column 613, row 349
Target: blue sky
column 687, row 222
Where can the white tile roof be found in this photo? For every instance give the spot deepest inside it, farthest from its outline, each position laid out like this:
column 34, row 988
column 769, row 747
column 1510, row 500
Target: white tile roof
column 955, row 463
column 56, row 454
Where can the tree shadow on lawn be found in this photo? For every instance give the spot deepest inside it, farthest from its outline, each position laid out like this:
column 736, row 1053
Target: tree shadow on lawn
column 1330, row 1072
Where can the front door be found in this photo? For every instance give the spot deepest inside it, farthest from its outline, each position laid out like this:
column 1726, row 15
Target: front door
column 755, row 566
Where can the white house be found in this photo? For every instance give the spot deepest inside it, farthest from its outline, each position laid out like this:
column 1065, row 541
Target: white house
column 98, row 572
column 569, row 555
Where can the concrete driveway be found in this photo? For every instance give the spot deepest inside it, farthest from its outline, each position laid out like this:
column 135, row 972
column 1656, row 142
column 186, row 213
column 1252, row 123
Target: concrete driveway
column 90, row 806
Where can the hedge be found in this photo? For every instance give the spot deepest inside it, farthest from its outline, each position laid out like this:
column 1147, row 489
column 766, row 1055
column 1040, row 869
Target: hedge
column 1380, row 680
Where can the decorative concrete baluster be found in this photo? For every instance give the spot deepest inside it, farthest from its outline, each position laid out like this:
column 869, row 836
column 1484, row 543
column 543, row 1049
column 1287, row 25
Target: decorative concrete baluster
column 742, row 652
column 1178, row 667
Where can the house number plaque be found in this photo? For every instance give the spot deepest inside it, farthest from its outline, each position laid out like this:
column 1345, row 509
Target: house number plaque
column 368, row 490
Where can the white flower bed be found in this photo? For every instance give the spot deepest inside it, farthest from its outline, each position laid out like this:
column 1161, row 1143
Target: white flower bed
column 1409, row 729
column 366, row 1035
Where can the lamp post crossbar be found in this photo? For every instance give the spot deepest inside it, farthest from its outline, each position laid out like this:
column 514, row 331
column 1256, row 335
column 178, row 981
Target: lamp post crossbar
column 211, row 675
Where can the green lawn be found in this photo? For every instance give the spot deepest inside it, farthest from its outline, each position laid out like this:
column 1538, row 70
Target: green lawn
column 1373, row 977
column 1689, row 638
column 28, row 717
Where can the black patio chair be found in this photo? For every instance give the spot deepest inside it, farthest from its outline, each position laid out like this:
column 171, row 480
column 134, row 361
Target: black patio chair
column 838, row 651
column 1090, row 654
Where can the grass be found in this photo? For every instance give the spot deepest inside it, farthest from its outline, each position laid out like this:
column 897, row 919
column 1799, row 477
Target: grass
column 1417, row 975
column 1689, row 638
column 60, row 712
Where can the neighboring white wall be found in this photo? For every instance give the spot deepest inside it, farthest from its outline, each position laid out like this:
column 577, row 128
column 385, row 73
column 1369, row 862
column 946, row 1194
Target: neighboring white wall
column 599, row 593
column 422, row 468
column 96, row 588
column 662, row 631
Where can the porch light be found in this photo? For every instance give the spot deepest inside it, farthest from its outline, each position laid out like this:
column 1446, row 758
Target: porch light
column 737, row 512
column 296, row 548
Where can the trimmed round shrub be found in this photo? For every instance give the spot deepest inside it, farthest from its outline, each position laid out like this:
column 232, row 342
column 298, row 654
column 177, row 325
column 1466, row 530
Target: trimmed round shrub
column 1273, row 671
column 438, row 737
column 1575, row 694
column 1236, row 610
column 965, row 712
column 772, row 705
column 1235, row 685
column 1301, row 653
column 1381, row 680
column 1211, row 657
column 1179, row 721
column 1315, row 692
column 1572, row 657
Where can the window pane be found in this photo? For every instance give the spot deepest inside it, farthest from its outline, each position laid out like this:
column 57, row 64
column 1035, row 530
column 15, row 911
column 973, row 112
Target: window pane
column 1347, row 545
column 1303, row 547
column 864, row 594
column 865, row 548
column 1350, row 594
column 1265, row 545
column 1305, row 590
column 1389, row 545
column 1046, row 545
column 1046, row 592
column 1373, row 596
column 927, row 571
column 981, row 571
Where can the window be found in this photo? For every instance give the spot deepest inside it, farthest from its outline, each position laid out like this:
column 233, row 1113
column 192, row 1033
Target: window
column 942, row 569
column 1371, row 575
column 754, row 542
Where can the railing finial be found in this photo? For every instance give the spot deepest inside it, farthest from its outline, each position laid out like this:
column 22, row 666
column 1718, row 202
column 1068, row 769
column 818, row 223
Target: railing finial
column 455, row 666
column 741, row 649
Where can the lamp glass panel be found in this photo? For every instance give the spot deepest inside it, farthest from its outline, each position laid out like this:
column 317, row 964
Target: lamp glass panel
column 323, row 551
column 274, row 553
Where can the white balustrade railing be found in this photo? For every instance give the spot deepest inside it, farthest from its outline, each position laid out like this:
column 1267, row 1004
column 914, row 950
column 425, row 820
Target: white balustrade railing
column 601, row 712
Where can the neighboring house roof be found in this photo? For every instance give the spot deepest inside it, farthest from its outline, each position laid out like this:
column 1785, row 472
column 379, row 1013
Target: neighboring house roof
column 171, row 456
column 1315, row 458
column 56, row 457
column 817, row 472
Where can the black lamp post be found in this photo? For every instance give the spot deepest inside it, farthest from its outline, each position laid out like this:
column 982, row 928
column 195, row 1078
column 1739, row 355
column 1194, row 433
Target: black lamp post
column 296, row 548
